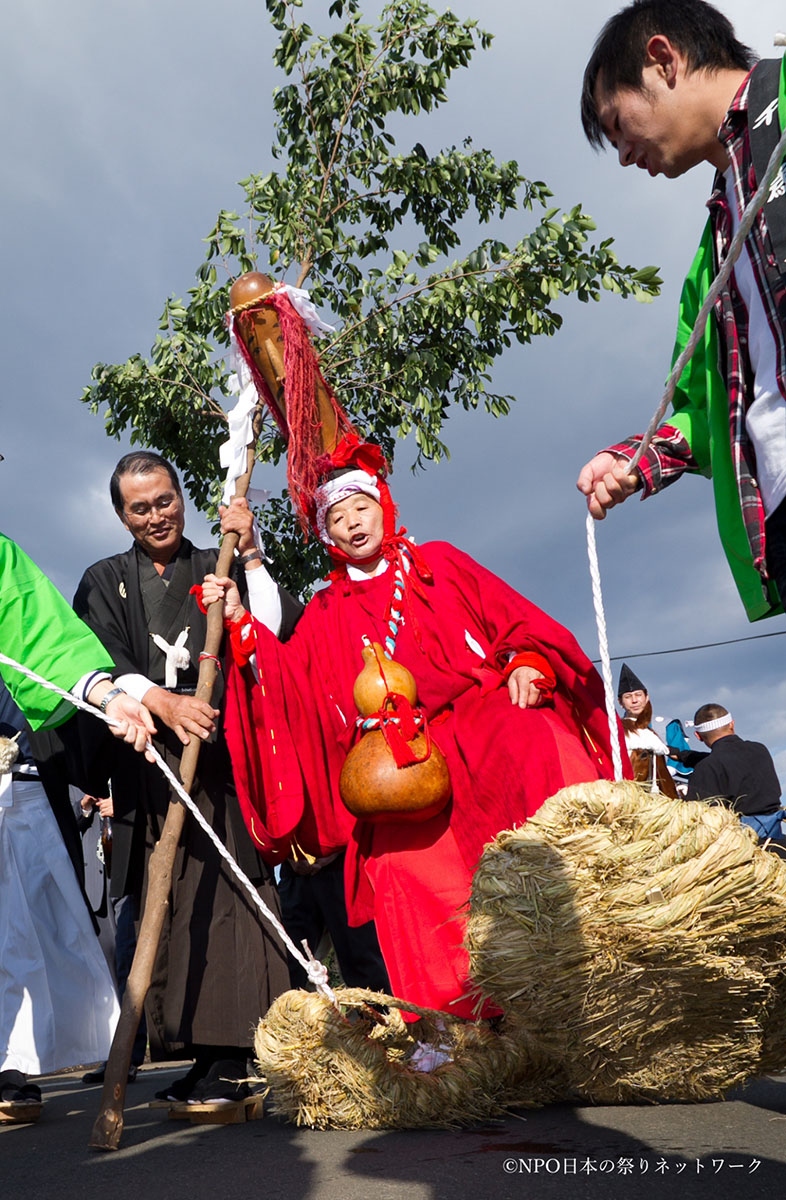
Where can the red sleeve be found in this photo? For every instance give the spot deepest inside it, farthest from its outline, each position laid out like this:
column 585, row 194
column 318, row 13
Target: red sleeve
column 510, row 624
column 283, row 748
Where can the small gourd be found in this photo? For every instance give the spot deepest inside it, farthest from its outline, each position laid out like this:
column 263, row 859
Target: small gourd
column 381, row 676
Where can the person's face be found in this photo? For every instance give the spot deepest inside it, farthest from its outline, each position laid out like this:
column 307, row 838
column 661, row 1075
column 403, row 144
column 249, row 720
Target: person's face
column 153, row 512
column 652, row 129
column 356, row 525
column 634, row 703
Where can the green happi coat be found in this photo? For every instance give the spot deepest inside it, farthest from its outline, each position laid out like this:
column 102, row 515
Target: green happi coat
column 701, row 414
column 41, row 631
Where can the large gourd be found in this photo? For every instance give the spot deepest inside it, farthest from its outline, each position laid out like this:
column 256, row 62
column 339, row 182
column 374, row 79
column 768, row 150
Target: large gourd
column 372, row 785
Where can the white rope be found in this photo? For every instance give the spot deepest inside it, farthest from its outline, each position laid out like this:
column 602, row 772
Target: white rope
column 603, row 642
column 735, row 249
column 315, row 970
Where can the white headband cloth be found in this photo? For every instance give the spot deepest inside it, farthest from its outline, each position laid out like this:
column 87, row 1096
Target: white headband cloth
column 718, row 723
column 334, row 490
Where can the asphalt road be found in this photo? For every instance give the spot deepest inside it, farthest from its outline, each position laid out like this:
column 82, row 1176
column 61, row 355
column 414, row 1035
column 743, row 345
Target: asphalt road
column 725, row 1151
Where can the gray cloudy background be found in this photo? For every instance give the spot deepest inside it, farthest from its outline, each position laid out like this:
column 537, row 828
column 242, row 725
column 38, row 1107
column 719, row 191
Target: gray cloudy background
column 125, row 127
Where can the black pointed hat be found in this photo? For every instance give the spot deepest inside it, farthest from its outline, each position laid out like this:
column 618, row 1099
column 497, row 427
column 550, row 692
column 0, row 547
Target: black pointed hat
column 629, row 682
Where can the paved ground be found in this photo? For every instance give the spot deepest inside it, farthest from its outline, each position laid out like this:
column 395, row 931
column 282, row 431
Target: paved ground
column 651, row 1153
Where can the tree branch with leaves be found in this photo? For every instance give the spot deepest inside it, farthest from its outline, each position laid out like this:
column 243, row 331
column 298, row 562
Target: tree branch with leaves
column 376, row 233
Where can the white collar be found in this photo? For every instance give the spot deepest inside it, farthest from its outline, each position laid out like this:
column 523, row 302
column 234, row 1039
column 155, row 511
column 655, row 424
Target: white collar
column 358, row 576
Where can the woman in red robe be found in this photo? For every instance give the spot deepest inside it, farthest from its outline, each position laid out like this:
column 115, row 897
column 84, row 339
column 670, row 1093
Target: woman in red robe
column 512, row 702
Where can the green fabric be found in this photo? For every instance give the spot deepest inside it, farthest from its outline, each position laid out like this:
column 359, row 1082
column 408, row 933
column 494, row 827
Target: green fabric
column 701, row 413
column 42, row 632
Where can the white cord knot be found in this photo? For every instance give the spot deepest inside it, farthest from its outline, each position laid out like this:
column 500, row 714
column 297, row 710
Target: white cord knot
column 177, row 656
column 317, row 973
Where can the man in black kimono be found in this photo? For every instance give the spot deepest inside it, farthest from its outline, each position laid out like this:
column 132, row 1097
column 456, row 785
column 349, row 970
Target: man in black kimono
column 218, row 969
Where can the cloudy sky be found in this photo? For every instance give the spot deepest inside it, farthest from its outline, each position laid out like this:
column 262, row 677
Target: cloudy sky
column 125, row 128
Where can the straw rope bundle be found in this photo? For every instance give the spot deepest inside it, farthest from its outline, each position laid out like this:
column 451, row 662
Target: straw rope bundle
column 639, row 942
column 348, row 1070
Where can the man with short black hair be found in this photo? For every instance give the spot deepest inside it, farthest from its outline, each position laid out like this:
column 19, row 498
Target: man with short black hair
column 740, row 773
column 218, row 969
column 669, row 86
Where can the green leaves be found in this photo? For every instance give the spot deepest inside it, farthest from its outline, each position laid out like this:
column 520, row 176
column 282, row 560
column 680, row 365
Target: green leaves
column 378, row 234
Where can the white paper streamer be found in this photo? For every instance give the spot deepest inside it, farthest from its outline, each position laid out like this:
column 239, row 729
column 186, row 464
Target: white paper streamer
column 232, row 453
column 303, row 305
column 258, row 496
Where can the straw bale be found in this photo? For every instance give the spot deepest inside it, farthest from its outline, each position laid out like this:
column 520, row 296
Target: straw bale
column 347, row 1069
column 639, row 942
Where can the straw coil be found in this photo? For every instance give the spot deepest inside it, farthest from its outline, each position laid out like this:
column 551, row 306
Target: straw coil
column 348, row 1069
column 639, row 942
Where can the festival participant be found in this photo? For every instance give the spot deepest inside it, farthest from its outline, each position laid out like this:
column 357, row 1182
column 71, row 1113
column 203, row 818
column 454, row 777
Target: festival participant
column 647, row 751
column 669, row 86
column 739, row 773
column 510, row 700
column 311, row 883
column 57, row 1001
column 218, row 969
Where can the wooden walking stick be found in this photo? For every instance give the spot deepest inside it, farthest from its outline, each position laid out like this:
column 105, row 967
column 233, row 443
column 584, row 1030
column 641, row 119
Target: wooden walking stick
column 108, row 1127
column 290, row 384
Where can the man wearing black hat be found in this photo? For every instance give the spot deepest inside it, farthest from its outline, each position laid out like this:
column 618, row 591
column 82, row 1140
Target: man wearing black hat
column 739, row 773
column 648, row 752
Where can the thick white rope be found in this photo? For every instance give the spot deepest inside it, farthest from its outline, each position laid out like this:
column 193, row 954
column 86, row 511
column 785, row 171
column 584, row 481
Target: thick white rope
column 603, row 642
column 315, row 970
column 735, row 249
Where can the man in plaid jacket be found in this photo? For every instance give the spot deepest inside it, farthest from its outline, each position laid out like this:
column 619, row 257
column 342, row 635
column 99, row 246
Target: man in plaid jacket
column 669, row 86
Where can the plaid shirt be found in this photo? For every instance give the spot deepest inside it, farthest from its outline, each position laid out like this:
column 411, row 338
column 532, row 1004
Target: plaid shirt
column 669, row 453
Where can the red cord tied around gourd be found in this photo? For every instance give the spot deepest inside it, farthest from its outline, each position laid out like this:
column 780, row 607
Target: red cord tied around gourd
column 399, row 723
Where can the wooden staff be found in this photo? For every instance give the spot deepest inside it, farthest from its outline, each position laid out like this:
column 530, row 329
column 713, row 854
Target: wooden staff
column 108, row 1127
column 267, row 348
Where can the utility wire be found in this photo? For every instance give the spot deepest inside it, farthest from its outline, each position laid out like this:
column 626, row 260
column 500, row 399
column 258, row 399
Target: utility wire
column 754, row 637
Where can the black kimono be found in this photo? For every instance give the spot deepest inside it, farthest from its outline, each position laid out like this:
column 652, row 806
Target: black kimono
column 218, row 967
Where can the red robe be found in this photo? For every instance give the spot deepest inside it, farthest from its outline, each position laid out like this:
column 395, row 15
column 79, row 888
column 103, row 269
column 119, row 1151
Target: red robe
column 289, row 736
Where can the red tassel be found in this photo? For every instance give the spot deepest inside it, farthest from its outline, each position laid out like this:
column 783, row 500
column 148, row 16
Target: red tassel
column 301, row 370
column 242, row 648
column 301, row 427
column 397, row 723
column 196, row 592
